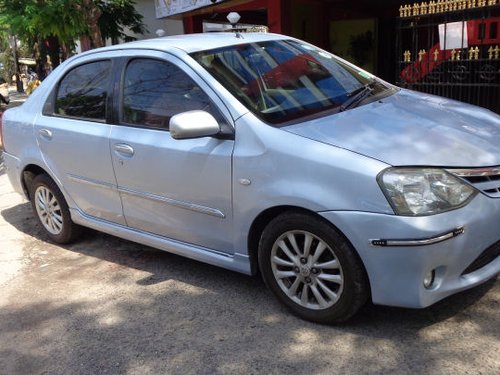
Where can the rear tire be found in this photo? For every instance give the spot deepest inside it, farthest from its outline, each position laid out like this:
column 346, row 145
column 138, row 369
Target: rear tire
column 51, row 210
column 311, row 268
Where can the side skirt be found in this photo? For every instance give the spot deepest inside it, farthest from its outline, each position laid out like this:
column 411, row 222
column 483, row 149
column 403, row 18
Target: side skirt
column 236, row 262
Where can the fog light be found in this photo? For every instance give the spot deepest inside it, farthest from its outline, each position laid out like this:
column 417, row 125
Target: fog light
column 429, row 279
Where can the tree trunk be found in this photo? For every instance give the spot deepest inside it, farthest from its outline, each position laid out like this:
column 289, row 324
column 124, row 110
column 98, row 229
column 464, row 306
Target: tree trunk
column 85, row 43
column 40, row 53
column 53, row 49
column 92, row 13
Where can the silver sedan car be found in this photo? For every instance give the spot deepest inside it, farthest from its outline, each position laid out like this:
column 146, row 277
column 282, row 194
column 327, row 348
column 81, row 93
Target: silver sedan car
column 263, row 153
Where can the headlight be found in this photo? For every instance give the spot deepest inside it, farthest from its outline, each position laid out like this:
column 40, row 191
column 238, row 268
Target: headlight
column 423, row 191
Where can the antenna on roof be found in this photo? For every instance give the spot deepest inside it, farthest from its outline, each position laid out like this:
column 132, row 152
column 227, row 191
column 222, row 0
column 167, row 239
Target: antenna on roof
column 233, row 18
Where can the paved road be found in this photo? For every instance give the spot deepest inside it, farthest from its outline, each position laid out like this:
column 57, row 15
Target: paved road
column 104, row 305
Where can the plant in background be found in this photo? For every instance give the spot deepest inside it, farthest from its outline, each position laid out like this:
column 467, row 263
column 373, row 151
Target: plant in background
column 118, row 15
column 52, row 27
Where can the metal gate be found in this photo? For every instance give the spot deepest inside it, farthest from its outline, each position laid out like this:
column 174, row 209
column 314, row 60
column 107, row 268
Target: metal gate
column 451, row 48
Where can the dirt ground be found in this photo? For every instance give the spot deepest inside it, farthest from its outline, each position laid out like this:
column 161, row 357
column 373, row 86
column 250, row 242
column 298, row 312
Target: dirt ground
column 109, row 306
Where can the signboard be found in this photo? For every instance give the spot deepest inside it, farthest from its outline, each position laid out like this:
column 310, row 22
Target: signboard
column 166, row 8
column 210, row 27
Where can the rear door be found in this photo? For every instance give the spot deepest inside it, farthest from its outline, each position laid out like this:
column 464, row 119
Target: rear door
column 73, row 135
column 180, row 189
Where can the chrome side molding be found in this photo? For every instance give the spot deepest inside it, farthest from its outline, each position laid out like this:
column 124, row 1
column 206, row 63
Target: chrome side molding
column 174, row 202
column 153, row 197
column 90, row 182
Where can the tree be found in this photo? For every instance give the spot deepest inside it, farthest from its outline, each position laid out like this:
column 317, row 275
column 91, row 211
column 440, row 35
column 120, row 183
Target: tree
column 65, row 21
column 49, row 25
column 40, row 19
column 108, row 19
column 117, row 15
column 90, row 11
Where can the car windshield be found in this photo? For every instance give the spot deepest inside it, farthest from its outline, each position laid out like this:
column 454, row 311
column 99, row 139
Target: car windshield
column 284, row 80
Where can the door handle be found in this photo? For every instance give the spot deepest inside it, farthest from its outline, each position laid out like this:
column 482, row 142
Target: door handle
column 45, row 133
column 124, row 150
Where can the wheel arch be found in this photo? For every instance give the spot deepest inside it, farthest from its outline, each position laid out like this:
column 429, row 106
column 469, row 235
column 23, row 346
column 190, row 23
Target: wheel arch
column 265, row 217
column 30, row 171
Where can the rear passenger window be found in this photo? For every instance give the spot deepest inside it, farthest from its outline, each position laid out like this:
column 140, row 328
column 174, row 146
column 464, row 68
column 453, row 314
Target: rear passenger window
column 154, row 91
column 83, row 91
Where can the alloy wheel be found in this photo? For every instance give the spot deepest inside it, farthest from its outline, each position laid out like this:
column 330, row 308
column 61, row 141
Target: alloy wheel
column 48, row 210
column 307, row 270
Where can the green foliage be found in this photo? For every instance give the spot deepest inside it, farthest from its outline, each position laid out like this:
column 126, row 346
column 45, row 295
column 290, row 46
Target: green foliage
column 6, row 55
column 117, row 15
column 39, row 19
column 7, row 65
column 32, row 19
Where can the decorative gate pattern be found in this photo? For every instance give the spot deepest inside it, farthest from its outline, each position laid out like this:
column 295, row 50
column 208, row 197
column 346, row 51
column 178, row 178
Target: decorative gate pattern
column 451, row 48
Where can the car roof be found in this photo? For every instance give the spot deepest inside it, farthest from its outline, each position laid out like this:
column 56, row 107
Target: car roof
column 194, row 42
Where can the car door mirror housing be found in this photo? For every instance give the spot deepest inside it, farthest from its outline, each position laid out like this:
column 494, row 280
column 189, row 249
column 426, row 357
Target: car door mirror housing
column 193, row 124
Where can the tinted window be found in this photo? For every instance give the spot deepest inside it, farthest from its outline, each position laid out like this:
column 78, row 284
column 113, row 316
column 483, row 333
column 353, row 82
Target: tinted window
column 83, row 91
column 154, row 91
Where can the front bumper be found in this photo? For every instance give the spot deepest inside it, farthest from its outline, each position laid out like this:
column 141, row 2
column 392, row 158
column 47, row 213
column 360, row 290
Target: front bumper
column 396, row 272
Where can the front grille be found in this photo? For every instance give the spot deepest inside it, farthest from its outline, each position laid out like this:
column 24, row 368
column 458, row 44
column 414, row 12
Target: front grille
column 486, row 257
column 486, row 180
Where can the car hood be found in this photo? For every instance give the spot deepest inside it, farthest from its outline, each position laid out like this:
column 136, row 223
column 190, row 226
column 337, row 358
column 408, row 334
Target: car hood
column 410, row 128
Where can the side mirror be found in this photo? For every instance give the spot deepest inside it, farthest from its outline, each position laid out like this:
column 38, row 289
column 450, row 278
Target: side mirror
column 193, row 124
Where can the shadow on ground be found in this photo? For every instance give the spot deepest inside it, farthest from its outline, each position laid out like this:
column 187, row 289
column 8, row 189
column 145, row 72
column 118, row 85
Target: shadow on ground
column 147, row 311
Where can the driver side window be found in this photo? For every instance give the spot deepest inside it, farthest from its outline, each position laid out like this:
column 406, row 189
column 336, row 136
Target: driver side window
column 154, row 91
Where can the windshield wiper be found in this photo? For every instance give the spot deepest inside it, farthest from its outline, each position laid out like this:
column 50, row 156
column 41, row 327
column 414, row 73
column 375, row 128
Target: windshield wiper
column 356, row 96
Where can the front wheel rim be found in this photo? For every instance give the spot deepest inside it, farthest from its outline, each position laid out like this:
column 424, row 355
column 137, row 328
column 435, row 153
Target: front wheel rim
column 307, row 270
column 48, row 210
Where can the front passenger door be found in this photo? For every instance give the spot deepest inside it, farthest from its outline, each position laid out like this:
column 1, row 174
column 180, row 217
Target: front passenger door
column 179, row 189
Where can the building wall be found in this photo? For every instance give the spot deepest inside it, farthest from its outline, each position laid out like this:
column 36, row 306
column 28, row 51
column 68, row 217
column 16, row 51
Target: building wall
column 147, row 9
column 268, row 13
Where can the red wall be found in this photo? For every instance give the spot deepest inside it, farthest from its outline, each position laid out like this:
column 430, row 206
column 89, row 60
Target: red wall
column 193, row 24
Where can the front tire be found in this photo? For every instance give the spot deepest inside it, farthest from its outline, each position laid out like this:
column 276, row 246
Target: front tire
column 311, row 268
column 51, row 210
